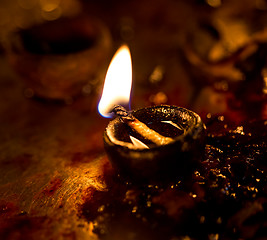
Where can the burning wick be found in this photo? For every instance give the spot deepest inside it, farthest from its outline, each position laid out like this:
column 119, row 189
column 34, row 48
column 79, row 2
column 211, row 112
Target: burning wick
column 140, row 127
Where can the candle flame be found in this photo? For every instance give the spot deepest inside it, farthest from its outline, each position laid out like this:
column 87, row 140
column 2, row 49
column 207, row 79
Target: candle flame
column 118, row 82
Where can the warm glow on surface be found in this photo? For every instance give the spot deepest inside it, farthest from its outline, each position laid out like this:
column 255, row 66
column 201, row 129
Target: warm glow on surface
column 118, row 82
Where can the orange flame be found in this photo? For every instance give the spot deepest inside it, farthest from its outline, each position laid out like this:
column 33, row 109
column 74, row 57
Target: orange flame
column 118, row 82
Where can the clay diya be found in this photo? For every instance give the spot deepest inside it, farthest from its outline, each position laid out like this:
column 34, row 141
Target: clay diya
column 57, row 59
column 155, row 144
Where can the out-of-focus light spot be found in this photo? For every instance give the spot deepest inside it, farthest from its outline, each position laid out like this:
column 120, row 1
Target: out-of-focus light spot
column 214, row 3
column 53, row 15
column 221, row 118
column 185, row 238
column 87, row 89
column 202, row 219
column 221, row 175
column 239, row 130
column 233, row 195
column 235, row 35
column 264, row 90
column 219, row 220
column 49, row 5
column 134, row 209
column 158, row 98
column 101, row 208
column 193, row 195
column 27, row 4
column 157, row 74
column 214, row 236
column 222, row 85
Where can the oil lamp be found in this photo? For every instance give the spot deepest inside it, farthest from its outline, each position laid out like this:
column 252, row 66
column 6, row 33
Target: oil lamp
column 149, row 145
column 57, row 59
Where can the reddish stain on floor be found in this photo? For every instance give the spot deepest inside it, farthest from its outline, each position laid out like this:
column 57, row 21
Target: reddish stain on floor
column 52, row 187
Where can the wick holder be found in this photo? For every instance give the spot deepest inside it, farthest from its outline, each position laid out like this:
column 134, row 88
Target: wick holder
column 158, row 163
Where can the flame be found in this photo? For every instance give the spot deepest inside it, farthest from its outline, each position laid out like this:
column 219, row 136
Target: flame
column 118, row 82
